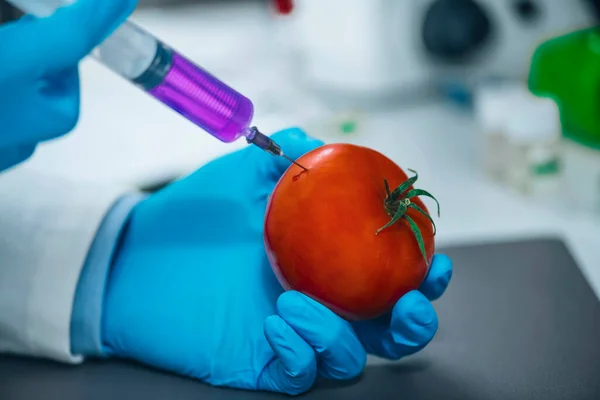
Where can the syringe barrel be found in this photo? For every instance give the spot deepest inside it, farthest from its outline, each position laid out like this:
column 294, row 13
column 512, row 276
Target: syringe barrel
column 197, row 95
column 169, row 77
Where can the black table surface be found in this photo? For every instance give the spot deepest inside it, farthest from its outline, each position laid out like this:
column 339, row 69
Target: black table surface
column 518, row 321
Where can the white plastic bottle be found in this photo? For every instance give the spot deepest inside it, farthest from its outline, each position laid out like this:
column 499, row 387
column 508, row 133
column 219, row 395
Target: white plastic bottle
column 494, row 103
column 534, row 158
column 493, row 138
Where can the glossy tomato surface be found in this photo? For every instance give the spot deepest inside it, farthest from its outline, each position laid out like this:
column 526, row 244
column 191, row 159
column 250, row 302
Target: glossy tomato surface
column 320, row 232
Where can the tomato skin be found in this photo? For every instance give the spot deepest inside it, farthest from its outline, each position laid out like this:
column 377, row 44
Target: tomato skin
column 320, row 232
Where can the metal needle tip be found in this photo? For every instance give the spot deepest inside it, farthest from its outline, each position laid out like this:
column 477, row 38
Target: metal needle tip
column 293, row 161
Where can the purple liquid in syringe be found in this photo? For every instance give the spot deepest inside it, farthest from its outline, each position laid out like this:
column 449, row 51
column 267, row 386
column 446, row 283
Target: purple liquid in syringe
column 203, row 99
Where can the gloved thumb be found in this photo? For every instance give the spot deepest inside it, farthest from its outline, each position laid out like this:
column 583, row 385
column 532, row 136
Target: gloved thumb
column 39, row 45
column 294, row 369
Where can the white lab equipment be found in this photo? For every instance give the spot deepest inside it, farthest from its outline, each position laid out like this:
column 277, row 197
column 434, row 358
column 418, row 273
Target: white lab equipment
column 359, row 49
column 517, row 27
column 370, row 49
column 490, row 111
column 533, row 133
column 493, row 104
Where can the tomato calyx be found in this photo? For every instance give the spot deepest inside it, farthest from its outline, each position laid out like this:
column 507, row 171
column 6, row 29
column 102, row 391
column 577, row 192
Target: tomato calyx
column 398, row 202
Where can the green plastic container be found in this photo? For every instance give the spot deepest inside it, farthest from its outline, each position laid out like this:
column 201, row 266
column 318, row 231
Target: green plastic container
column 567, row 69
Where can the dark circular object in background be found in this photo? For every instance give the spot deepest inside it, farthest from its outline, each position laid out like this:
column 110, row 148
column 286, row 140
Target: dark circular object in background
column 594, row 5
column 527, row 10
column 454, row 30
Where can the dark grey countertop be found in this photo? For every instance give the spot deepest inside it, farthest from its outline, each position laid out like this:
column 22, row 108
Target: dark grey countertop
column 518, row 322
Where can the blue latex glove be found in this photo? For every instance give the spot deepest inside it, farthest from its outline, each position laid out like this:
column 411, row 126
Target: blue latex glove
column 191, row 290
column 39, row 57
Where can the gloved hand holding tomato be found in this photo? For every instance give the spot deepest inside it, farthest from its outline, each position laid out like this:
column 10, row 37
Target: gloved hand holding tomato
column 191, row 289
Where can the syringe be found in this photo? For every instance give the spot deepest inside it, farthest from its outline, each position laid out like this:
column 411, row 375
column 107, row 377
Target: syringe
column 172, row 79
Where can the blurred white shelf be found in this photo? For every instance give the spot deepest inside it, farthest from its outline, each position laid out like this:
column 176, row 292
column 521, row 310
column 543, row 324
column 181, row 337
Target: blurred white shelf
column 124, row 135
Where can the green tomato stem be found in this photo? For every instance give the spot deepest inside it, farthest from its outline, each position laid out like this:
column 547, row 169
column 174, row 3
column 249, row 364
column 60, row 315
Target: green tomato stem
column 398, row 202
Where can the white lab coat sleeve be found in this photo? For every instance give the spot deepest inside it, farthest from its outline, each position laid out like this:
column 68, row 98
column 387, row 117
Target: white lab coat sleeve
column 47, row 225
column 88, row 305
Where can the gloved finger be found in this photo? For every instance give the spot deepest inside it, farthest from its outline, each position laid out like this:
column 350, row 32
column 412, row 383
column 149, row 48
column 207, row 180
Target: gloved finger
column 62, row 100
column 55, row 101
column 294, row 369
column 10, row 157
column 438, row 278
column 294, row 143
column 62, row 39
column 412, row 326
column 340, row 353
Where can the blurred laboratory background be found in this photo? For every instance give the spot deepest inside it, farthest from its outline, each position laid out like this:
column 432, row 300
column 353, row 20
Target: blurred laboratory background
column 495, row 103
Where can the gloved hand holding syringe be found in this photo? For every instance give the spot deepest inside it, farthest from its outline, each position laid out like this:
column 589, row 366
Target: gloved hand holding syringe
column 172, row 79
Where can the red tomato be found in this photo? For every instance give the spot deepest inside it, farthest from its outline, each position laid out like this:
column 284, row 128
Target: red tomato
column 322, row 231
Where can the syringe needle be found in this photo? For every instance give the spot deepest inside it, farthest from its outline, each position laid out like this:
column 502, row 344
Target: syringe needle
column 293, row 162
column 268, row 145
